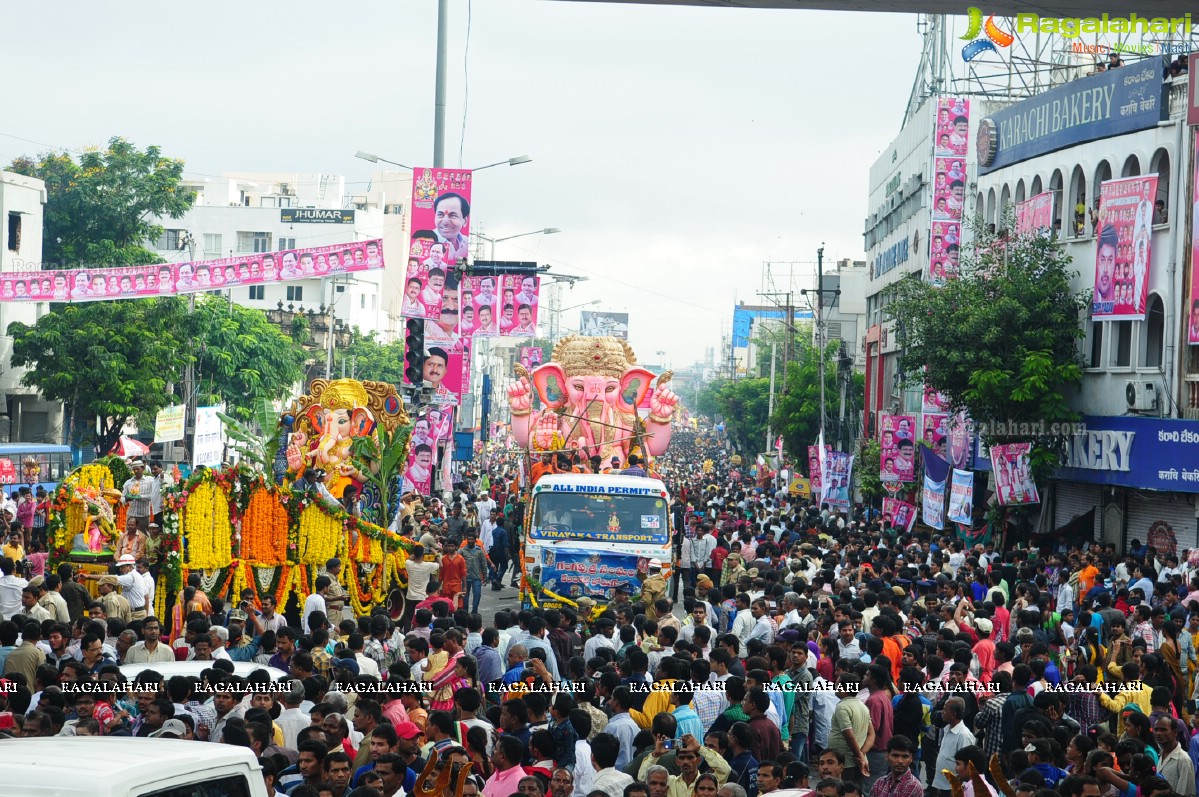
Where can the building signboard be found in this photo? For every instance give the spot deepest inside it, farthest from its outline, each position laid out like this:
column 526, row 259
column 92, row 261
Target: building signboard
column 1099, row 106
column 1128, row 451
column 316, row 216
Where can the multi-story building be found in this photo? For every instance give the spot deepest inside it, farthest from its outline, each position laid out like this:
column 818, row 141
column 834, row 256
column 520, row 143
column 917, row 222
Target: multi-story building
column 1133, row 472
column 24, row 415
column 245, row 213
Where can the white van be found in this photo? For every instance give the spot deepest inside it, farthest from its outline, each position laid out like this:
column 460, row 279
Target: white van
column 126, row 767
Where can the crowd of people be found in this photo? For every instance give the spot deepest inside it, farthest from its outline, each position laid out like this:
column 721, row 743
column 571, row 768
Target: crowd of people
column 794, row 648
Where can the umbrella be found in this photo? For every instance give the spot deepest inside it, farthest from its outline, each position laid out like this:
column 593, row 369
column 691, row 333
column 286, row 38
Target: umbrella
column 128, row 447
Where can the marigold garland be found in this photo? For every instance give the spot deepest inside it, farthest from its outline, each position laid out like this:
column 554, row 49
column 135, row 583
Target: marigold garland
column 206, row 527
column 320, row 536
column 264, row 529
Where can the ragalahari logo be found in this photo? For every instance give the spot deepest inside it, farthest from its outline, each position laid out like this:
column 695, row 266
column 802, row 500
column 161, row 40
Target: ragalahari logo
column 978, row 46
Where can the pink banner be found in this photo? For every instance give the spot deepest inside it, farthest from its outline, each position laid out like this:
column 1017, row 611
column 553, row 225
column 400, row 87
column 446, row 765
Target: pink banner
column 1193, row 336
column 519, row 297
column 961, row 439
column 951, row 138
column 814, row 469
column 418, row 476
column 901, row 514
column 480, row 306
column 1035, row 214
column 953, row 126
column 936, row 433
column 530, row 356
column 944, row 251
column 440, row 236
column 170, row 279
column 1013, row 476
column 934, row 401
column 898, row 448
column 1124, row 249
column 431, row 425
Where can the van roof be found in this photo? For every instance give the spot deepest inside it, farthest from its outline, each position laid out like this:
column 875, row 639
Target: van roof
column 118, row 763
column 604, row 479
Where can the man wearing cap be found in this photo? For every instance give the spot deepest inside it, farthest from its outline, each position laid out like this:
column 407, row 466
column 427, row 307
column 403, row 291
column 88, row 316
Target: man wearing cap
column 653, row 588
column 137, row 494
column 171, row 729
column 115, row 605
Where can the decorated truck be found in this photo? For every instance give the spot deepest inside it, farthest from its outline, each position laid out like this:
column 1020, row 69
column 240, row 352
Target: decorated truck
column 588, row 535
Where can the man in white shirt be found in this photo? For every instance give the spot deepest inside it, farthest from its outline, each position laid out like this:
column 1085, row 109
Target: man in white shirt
column 133, row 586
column 604, row 637
column 419, row 573
column 605, row 752
column 10, row 589
column 292, row 719
column 743, row 623
column 316, row 602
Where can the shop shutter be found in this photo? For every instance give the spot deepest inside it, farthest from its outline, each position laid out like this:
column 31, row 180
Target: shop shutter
column 1146, row 508
column 1072, row 499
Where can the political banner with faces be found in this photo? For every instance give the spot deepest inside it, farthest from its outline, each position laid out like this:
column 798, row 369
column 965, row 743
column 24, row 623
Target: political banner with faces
column 933, row 501
column 519, row 296
column 961, row 440
column 1013, row 475
column 440, row 235
column 480, row 301
column 934, row 401
column 944, row 251
column 531, row 356
column 901, row 514
column 418, row 474
column 1193, row 326
column 814, row 460
column 952, row 127
column 1123, row 249
column 171, row 279
column 1035, row 214
column 935, row 427
column 835, row 476
column 961, row 497
column 897, row 448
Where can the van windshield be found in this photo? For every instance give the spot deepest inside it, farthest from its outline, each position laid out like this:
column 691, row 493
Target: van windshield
column 599, row 517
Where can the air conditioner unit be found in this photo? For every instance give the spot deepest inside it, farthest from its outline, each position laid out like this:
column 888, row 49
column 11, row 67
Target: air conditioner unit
column 1140, row 395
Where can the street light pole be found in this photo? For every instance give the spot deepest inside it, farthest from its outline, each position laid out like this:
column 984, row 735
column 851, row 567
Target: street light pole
column 443, row 32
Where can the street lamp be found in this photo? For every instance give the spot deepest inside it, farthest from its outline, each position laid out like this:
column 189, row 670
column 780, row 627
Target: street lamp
column 557, row 314
column 369, row 156
column 494, row 241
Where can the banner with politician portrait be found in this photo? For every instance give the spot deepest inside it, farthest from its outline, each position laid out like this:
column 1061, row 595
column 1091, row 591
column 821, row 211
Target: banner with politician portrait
column 440, row 235
column 901, row 514
column 531, row 356
column 1013, row 474
column 597, row 323
column 1193, row 326
column 935, row 432
column 835, row 477
column 1035, row 214
column 418, row 472
column 480, row 301
column 961, row 497
column 934, row 401
column 952, row 134
column 814, row 467
column 1123, row 249
column 944, row 252
column 961, row 440
column 518, row 305
column 171, row 279
column 933, row 500
column 949, row 188
column 897, row 444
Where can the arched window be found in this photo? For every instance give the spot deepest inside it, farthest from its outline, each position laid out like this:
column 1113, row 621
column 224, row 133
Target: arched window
column 1005, row 199
column 1035, row 188
column 1020, row 195
column 1155, row 328
column 1160, row 164
column 980, row 206
column 991, row 206
column 1132, row 167
column 1055, row 185
column 1076, row 197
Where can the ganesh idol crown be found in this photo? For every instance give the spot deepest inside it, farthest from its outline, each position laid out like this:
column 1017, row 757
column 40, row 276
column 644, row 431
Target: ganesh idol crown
column 590, row 391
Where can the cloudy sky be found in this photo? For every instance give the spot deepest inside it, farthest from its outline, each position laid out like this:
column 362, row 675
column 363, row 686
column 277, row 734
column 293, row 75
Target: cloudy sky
column 678, row 149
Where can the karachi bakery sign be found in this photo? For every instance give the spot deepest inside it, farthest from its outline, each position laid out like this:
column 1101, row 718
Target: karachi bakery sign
column 1127, row 451
column 1100, row 106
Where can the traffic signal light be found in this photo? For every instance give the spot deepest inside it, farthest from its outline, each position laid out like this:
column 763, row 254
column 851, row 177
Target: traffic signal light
column 414, row 351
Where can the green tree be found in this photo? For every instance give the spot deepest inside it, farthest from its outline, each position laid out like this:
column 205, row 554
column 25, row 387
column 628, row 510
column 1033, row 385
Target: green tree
column 368, row 359
column 866, row 471
column 797, row 400
column 111, row 360
column 99, row 208
column 241, row 357
column 743, row 405
column 1002, row 340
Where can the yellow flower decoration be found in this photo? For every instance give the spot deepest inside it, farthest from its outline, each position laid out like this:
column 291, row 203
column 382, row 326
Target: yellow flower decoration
column 320, row 536
column 206, row 528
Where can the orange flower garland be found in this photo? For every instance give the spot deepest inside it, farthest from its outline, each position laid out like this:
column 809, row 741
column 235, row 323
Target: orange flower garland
column 264, row 529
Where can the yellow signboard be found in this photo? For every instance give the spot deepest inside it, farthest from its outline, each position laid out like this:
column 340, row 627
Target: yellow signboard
column 799, row 486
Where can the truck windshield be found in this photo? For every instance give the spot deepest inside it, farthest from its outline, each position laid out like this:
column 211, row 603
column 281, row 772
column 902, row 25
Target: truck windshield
column 600, row 518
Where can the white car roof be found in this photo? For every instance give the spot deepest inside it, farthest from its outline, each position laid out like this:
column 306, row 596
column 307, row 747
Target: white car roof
column 64, row 765
column 168, row 668
column 601, row 479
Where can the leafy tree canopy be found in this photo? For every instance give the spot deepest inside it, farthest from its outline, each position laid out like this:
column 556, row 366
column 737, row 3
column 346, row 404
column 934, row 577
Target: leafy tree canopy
column 99, row 207
column 108, row 359
column 370, row 360
column 1001, row 342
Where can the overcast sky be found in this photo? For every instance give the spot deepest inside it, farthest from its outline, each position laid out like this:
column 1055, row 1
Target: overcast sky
column 677, row 148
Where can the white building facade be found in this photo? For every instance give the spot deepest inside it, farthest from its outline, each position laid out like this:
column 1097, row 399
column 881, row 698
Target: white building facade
column 24, row 415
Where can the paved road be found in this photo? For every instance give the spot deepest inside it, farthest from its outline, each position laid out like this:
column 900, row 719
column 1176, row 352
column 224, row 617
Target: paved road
column 493, row 601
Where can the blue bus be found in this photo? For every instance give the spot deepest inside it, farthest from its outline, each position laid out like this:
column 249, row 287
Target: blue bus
column 54, row 463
